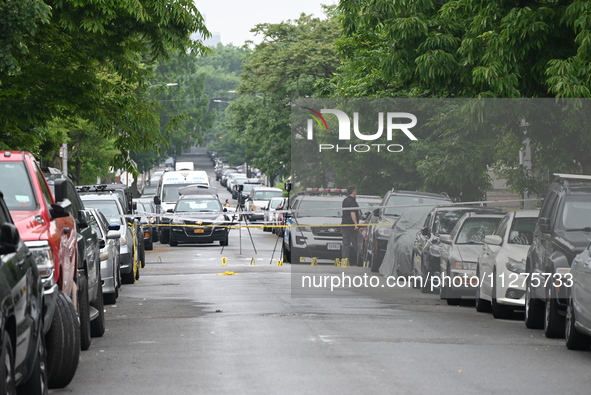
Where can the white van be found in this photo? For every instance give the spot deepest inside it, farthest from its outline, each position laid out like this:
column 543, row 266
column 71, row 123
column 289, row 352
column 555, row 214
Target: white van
column 168, row 193
column 190, row 166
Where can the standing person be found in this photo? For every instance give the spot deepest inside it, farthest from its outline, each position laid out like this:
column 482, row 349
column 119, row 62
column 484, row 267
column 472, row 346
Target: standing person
column 349, row 218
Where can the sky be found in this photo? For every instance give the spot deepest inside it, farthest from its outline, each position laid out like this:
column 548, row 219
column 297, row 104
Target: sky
column 233, row 19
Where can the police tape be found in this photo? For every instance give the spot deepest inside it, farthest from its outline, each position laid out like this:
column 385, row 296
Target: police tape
column 235, row 218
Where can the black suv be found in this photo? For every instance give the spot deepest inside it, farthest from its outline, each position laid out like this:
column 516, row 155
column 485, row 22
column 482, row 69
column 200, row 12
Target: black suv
column 90, row 289
column 427, row 246
column 381, row 221
column 23, row 353
column 563, row 230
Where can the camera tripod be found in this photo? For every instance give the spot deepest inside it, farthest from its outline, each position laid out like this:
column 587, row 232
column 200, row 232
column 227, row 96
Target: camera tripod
column 240, row 218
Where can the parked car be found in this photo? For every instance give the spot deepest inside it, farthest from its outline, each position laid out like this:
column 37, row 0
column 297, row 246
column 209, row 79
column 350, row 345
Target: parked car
column 563, row 230
column 392, row 206
column 149, row 191
column 90, row 299
column 225, row 175
column 427, row 247
column 232, row 179
column 239, row 183
column 122, row 190
column 459, row 255
column 109, row 241
column 501, row 264
column 258, row 199
column 49, row 231
column 145, row 210
column 131, row 249
column 23, row 354
column 398, row 260
column 269, row 212
column 199, row 219
column 578, row 313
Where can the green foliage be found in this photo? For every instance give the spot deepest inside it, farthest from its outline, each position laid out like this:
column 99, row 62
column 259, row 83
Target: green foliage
column 471, row 48
column 89, row 61
column 296, row 58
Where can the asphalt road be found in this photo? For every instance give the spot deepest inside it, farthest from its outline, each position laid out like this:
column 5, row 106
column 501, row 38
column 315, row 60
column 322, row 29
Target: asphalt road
column 185, row 329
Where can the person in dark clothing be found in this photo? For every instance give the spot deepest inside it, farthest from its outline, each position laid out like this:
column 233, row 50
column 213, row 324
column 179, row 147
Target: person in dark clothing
column 350, row 220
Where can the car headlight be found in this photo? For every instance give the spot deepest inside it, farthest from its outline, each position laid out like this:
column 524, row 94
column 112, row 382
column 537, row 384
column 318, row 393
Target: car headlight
column 42, row 255
column 435, row 250
column 305, row 228
column 177, row 221
column 516, row 266
column 385, row 232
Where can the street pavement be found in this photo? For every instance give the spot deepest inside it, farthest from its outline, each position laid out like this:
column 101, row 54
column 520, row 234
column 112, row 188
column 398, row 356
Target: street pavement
column 185, row 329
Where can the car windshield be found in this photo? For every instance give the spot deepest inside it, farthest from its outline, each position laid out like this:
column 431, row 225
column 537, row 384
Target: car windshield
column 267, row 195
column 16, row 187
column 333, row 208
column 473, row 230
column 143, row 207
column 446, row 220
column 522, row 231
column 109, row 208
column 198, row 206
column 274, row 203
column 149, row 190
column 576, row 213
column 406, row 201
column 170, row 192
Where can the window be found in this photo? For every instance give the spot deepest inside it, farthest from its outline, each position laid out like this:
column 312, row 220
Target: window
column 522, row 231
column 16, row 186
column 474, row 229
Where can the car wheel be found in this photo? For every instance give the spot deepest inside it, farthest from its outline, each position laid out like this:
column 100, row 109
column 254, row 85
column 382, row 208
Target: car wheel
column 575, row 340
column 7, row 384
column 286, row 254
column 427, row 286
column 97, row 326
column 149, row 246
column 482, row 306
column 499, row 311
column 141, row 255
column 37, row 383
column 173, row 242
column 553, row 322
column 164, row 236
column 83, row 311
column 63, row 343
column 109, row 298
column 534, row 309
column 373, row 263
column 129, row 278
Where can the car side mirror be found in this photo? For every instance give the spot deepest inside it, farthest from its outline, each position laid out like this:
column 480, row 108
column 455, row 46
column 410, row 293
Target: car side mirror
column 157, row 200
column 170, row 210
column 9, row 238
column 82, row 222
column 114, row 234
column 134, row 206
column 60, row 187
column 114, row 226
column 494, row 240
column 102, row 244
column 60, row 209
column 544, row 225
column 225, row 210
column 425, row 231
column 445, row 239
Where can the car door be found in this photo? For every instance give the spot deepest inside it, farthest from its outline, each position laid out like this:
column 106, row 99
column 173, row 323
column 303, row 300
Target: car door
column 490, row 254
column 581, row 271
column 18, row 272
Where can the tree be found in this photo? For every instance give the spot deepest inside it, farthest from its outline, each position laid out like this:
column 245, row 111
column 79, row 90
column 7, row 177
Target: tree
column 469, row 48
column 93, row 61
column 295, row 59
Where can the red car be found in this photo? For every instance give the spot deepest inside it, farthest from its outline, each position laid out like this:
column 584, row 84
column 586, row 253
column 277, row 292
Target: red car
column 49, row 231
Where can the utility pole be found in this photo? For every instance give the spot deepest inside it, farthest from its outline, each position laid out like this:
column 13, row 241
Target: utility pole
column 64, row 155
column 525, row 160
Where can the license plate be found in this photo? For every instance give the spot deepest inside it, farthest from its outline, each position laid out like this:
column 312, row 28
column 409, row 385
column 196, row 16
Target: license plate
column 199, row 231
column 333, row 247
